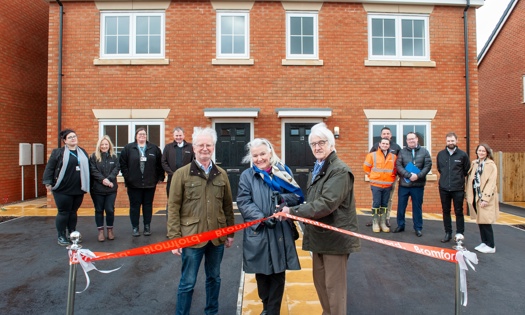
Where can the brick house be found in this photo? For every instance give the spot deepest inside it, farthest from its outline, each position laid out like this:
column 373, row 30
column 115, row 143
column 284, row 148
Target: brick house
column 23, row 92
column 266, row 69
column 501, row 66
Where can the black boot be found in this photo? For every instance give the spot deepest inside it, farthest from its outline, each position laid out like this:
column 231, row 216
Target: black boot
column 448, row 237
column 147, row 231
column 62, row 240
column 136, row 231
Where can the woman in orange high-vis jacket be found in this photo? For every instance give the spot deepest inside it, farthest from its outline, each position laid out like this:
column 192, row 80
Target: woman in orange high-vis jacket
column 380, row 166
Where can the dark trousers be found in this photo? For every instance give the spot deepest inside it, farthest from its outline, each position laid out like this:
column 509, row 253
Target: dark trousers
column 140, row 197
column 67, row 206
column 168, row 183
column 380, row 196
column 104, row 203
column 485, row 230
column 456, row 197
column 271, row 290
column 416, row 194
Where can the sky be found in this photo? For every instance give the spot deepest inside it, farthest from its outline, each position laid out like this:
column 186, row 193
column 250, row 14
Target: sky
column 487, row 17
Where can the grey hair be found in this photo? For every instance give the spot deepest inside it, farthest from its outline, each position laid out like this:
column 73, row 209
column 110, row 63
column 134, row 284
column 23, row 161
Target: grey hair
column 274, row 159
column 207, row 131
column 320, row 130
column 178, row 129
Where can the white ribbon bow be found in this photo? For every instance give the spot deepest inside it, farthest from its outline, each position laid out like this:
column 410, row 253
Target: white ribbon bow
column 87, row 266
column 464, row 257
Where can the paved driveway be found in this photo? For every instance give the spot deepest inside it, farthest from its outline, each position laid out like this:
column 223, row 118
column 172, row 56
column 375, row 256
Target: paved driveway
column 382, row 280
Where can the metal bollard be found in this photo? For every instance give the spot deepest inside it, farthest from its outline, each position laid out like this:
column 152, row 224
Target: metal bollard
column 75, row 237
column 458, row 238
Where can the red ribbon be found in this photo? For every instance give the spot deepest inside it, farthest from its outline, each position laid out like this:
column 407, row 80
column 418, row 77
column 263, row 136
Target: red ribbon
column 187, row 241
column 429, row 251
column 176, row 243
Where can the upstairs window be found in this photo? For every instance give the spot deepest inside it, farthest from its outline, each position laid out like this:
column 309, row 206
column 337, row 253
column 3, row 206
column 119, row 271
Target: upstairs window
column 132, row 35
column 301, row 35
column 398, row 37
column 233, row 30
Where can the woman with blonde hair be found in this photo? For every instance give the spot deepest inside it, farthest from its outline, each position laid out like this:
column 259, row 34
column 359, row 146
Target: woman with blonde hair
column 269, row 247
column 482, row 196
column 104, row 167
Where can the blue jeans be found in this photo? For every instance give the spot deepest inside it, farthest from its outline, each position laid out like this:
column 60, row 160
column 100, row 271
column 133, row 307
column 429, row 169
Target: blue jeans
column 380, row 196
column 416, row 194
column 191, row 261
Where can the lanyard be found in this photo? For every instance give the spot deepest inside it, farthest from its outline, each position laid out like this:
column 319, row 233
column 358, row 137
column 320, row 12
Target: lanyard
column 73, row 154
column 142, row 150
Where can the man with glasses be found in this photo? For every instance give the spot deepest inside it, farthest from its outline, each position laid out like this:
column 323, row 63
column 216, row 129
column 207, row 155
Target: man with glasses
column 200, row 200
column 413, row 164
column 330, row 200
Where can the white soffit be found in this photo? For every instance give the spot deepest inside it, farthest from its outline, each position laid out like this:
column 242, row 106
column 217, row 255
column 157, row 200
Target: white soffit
column 400, row 114
column 231, row 112
column 303, row 112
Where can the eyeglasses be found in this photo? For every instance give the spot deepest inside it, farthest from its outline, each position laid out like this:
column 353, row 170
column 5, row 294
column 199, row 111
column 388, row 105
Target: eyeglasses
column 71, row 137
column 141, row 134
column 202, row 146
column 318, row 143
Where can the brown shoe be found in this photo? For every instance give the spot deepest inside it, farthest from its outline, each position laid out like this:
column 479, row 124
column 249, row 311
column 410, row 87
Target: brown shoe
column 111, row 236
column 101, row 237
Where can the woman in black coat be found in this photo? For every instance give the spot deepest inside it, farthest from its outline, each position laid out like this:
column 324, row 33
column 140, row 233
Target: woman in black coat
column 67, row 177
column 104, row 168
column 140, row 164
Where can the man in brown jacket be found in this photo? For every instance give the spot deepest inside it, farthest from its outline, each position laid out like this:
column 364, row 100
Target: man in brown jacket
column 200, row 200
column 330, row 200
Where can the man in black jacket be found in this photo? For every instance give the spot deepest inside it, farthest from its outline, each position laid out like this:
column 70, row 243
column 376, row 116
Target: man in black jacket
column 453, row 165
column 413, row 164
column 176, row 155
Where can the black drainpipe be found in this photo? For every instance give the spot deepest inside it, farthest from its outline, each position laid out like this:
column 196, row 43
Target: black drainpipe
column 467, row 85
column 59, row 96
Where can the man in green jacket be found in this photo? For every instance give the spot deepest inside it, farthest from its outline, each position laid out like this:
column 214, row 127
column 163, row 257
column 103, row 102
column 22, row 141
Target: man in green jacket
column 200, row 200
column 330, row 200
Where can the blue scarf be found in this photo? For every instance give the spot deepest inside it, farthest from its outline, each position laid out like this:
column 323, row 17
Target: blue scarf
column 282, row 180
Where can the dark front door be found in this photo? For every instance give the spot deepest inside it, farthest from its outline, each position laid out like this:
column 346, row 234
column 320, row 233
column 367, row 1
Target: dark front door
column 299, row 156
column 231, row 142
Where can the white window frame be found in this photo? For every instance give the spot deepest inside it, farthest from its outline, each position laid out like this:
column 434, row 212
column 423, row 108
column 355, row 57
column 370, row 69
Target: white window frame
column 400, row 137
column 223, row 14
column 315, row 54
column 398, row 37
column 523, row 87
column 132, row 124
column 132, row 40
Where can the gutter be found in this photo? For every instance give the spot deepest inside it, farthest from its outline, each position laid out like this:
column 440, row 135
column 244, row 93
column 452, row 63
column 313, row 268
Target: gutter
column 467, row 84
column 59, row 96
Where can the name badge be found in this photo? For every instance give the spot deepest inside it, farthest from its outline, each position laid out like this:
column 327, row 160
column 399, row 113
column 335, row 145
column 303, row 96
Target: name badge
column 143, row 159
column 78, row 168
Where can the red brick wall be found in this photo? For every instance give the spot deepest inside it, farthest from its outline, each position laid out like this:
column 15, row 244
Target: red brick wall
column 501, row 74
column 23, row 56
column 191, row 83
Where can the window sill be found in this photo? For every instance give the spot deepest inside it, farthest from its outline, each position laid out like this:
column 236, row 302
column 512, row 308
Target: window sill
column 399, row 63
column 129, row 62
column 232, row 62
column 302, row 62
